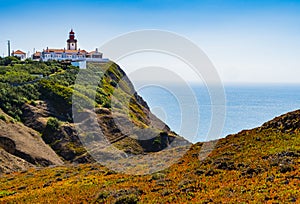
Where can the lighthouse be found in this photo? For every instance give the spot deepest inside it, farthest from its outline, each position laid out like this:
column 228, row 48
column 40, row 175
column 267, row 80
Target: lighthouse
column 72, row 42
column 78, row 57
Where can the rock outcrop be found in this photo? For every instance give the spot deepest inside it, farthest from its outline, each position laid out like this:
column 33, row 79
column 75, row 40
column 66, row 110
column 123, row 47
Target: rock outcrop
column 287, row 123
column 22, row 147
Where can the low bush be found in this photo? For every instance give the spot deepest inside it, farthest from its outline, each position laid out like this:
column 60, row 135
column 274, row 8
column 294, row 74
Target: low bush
column 2, row 117
column 53, row 124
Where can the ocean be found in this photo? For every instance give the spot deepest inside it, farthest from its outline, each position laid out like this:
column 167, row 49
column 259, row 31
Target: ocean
column 246, row 107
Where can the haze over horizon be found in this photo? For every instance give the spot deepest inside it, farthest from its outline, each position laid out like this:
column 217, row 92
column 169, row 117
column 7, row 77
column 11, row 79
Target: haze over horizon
column 247, row 41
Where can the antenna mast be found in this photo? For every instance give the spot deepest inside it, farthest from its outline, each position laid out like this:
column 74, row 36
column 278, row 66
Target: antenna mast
column 8, row 46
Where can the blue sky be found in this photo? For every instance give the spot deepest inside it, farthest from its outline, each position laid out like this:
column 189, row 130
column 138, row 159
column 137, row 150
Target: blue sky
column 248, row 41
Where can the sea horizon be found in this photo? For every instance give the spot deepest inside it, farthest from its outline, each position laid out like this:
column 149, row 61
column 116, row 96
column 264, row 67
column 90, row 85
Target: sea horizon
column 247, row 106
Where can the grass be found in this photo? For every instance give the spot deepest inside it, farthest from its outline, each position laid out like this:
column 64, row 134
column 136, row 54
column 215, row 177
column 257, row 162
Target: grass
column 6, row 193
column 255, row 176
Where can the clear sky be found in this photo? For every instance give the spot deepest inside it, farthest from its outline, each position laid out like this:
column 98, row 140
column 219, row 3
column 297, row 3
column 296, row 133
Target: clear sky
column 248, row 41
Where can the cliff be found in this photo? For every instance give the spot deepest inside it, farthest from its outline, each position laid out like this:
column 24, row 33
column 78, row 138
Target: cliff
column 38, row 98
column 21, row 147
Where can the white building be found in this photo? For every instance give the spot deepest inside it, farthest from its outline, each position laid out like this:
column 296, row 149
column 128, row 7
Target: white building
column 20, row 54
column 63, row 54
column 72, row 53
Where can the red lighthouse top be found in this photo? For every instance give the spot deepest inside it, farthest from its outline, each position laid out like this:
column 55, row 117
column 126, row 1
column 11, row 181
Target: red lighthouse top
column 72, row 42
column 71, row 35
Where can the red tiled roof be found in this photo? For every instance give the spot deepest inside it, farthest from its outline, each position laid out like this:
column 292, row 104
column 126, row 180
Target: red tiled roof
column 63, row 50
column 37, row 54
column 54, row 50
column 75, row 51
column 93, row 52
column 19, row 52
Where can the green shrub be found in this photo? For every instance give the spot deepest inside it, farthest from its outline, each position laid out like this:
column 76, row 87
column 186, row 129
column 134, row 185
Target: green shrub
column 2, row 117
column 53, row 124
column 6, row 193
column 101, row 197
column 113, row 83
column 12, row 120
column 107, row 103
column 127, row 199
column 157, row 176
column 33, row 103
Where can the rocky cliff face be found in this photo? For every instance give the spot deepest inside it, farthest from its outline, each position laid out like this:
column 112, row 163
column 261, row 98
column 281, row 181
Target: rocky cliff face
column 133, row 117
column 21, row 147
column 124, row 117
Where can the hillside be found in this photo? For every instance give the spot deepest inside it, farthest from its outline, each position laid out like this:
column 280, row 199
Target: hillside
column 37, row 97
column 17, row 140
column 254, row 166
